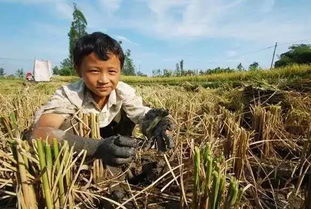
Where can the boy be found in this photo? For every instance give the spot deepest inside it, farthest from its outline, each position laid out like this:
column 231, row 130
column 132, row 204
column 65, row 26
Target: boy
column 98, row 60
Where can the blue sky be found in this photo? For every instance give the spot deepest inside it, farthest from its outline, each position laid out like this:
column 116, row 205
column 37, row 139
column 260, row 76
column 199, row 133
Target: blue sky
column 204, row 33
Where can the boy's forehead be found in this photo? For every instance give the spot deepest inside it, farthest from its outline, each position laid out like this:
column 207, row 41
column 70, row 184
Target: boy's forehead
column 93, row 58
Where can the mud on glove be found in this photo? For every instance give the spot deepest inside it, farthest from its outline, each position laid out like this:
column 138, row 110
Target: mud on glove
column 156, row 125
column 116, row 150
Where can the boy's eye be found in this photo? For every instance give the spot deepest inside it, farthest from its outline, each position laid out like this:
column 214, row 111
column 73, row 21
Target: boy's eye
column 112, row 71
column 93, row 70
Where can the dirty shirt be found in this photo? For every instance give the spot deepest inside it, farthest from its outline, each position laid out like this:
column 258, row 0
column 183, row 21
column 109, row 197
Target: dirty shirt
column 75, row 97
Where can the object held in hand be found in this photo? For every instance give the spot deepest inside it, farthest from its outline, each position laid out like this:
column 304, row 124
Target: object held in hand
column 157, row 126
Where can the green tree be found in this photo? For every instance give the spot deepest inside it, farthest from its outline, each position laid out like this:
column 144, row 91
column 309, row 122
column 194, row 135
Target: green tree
column 167, row 73
column 157, row 73
column 297, row 54
column 20, row 73
column 254, row 66
column 139, row 73
column 240, row 67
column 77, row 30
column 55, row 70
column 128, row 67
column 66, row 68
column 181, row 64
column 65, row 72
column 1, row 72
column 177, row 71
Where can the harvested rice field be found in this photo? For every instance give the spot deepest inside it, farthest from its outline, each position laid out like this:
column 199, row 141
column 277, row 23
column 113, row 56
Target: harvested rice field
column 245, row 143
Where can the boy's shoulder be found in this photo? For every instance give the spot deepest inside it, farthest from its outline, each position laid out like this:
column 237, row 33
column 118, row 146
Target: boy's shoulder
column 124, row 89
column 122, row 85
column 77, row 86
column 73, row 92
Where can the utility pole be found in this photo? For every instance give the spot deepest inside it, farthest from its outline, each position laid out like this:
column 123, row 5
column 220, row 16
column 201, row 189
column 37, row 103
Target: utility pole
column 276, row 44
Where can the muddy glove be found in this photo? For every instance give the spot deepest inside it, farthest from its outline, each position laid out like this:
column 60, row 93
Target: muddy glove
column 114, row 150
column 156, row 125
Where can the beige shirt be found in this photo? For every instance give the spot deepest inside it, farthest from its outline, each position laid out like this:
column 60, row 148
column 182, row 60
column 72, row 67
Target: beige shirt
column 75, row 97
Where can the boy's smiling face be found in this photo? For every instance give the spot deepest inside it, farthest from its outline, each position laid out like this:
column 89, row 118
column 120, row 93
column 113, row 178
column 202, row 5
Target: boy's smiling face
column 101, row 77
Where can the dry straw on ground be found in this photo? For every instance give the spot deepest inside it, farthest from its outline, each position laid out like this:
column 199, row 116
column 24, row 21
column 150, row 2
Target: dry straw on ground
column 263, row 133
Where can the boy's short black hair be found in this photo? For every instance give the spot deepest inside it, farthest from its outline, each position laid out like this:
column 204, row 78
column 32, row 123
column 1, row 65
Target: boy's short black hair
column 100, row 44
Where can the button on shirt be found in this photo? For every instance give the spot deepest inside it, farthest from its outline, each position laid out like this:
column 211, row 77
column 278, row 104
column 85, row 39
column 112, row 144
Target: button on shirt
column 75, row 97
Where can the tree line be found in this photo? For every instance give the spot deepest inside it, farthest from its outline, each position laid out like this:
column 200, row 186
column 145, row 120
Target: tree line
column 180, row 71
column 297, row 54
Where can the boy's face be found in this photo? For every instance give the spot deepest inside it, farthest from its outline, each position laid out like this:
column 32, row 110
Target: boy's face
column 101, row 77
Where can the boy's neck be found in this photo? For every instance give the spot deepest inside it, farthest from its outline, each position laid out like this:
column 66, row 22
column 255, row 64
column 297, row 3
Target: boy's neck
column 100, row 101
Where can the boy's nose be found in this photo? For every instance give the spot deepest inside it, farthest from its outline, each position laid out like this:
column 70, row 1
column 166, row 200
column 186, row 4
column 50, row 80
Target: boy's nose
column 103, row 79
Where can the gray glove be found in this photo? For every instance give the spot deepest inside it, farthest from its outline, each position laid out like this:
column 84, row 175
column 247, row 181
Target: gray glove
column 114, row 150
column 155, row 125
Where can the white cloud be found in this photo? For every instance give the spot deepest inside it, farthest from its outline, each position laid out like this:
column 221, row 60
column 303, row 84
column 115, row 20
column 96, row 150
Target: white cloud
column 240, row 19
column 254, row 20
column 258, row 21
column 60, row 8
column 267, row 5
column 161, row 7
column 50, row 30
column 170, row 19
column 198, row 17
column 265, row 31
column 126, row 40
column 110, row 5
column 28, row 1
column 64, row 9
column 231, row 53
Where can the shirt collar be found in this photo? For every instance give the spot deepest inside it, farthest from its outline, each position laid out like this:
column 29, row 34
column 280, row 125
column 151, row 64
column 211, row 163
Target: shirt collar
column 88, row 98
column 112, row 98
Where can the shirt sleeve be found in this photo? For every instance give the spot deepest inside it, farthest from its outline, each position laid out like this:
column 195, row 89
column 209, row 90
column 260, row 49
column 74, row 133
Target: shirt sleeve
column 58, row 104
column 132, row 104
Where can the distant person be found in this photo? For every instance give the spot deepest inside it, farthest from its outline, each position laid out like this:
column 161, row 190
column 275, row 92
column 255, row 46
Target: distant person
column 29, row 76
column 98, row 60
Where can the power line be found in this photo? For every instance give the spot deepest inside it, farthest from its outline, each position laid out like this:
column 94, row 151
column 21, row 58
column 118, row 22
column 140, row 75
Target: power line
column 255, row 51
column 269, row 47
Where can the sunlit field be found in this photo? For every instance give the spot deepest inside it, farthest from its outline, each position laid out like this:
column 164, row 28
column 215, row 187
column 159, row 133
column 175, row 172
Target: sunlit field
column 243, row 140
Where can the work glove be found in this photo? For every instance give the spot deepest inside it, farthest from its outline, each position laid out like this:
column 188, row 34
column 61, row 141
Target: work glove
column 157, row 126
column 114, row 151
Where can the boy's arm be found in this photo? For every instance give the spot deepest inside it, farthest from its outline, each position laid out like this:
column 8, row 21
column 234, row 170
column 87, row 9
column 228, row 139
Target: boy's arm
column 46, row 122
column 156, row 124
column 132, row 104
column 115, row 150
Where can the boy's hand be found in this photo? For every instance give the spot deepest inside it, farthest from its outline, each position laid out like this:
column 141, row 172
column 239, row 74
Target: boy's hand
column 116, row 150
column 157, row 126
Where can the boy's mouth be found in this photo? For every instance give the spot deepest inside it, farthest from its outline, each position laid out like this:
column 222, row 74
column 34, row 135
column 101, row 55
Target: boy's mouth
column 103, row 88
